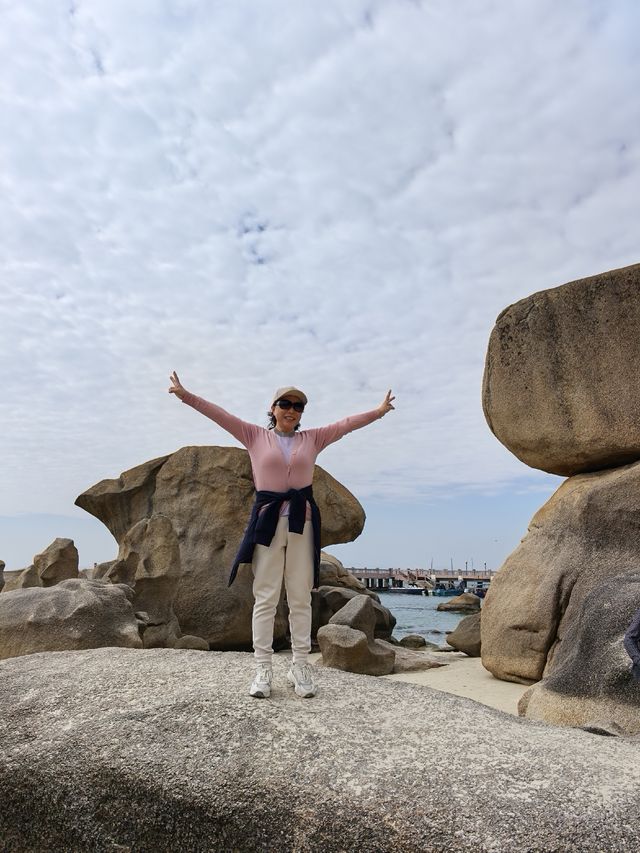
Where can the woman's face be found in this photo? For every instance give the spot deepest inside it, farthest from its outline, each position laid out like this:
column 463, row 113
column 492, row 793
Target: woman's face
column 286, row 419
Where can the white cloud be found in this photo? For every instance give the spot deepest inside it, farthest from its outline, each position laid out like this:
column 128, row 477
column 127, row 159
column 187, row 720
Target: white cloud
column 341, row 195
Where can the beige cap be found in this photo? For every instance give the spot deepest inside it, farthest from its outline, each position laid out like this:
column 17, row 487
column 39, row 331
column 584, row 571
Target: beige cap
column 290, row 391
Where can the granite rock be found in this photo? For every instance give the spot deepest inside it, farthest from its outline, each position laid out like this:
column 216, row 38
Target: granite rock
column 58, row 562
column 207, row 493
column 413, row 641
column 149, row 562
column 163, row 750
column 358, row 613
column 349, row 649
column 591, row 682
column 333, row 573
column 587, row 532
column 467, row 602
column 466, row 635
column 73, row 614
column 327, row 600
column 560, row 383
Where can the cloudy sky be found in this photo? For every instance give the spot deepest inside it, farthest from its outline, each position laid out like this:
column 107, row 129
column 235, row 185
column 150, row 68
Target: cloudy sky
column 341, row 195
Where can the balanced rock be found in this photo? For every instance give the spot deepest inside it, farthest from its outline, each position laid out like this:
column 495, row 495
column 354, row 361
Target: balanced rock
column 591, row 681
column 73, row 614
column 149, row 562
column 58, row 562
column 560, row 376
column 467, row 602
column 327, row 600
column 466, row 636
column 586, row 533
column 207, row 492
column 348, row 643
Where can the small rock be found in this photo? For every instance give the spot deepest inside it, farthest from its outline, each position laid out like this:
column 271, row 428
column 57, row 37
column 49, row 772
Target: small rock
column 346, row 648
column 465, row 603
column 413, row 641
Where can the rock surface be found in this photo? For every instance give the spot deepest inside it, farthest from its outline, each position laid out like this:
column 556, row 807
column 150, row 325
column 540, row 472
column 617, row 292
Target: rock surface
column 412, row 660
column 467, row 602
column 207, row 492
column 74, row 614
column 90, row 761
column 466, row 636
column 587, row 532
column 560, row 389
column 190, row 642
column 149, row 562
column 591, row 681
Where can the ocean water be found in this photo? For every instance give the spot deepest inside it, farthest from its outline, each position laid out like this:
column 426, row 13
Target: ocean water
column 417, row 614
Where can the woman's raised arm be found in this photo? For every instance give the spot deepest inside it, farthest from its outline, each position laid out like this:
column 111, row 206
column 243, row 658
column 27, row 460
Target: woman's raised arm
column 243, row 431
column 324, row 436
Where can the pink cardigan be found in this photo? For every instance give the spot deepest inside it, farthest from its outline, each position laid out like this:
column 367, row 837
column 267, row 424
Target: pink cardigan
column 271, row 472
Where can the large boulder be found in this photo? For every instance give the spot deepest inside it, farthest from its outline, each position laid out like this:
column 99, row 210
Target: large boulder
column 560, row 384
column 162, row 750
column 327, row 600
column 74, row 614
column 207, row 492
column 587, row 532
column 591, row 682
column 149, row 562
column 58, row 562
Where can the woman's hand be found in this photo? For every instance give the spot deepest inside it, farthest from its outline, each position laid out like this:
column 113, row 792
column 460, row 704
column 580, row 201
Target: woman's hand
column 176, row 386
column 385, row 406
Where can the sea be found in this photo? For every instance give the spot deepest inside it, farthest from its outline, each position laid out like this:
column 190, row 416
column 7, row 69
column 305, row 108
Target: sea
column 417, row 614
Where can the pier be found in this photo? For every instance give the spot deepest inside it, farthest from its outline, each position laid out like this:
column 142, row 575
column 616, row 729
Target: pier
column 424, row 579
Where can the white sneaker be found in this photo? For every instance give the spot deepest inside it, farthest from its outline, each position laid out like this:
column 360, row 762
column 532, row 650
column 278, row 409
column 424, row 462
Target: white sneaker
column 261, row 684
column 301, row 677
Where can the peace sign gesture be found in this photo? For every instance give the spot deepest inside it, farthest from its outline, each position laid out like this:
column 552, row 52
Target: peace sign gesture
column 176, row 386
column 385, row 406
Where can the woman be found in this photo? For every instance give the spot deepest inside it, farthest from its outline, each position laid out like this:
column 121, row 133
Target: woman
column 282, row 539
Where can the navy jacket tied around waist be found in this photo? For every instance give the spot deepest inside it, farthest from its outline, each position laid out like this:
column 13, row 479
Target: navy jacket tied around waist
column 262, row 525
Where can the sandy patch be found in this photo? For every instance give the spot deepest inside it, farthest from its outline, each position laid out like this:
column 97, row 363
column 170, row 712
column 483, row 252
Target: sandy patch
column 463, row 676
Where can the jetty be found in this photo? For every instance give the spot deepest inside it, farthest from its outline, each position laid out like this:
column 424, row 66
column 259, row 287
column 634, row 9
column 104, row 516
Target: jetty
column 425, row 580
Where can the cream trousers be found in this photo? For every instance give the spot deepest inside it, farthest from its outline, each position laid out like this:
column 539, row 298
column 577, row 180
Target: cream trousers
column 290, row 556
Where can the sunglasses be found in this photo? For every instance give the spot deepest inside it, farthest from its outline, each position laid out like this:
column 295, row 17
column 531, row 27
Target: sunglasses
column 288, row 404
